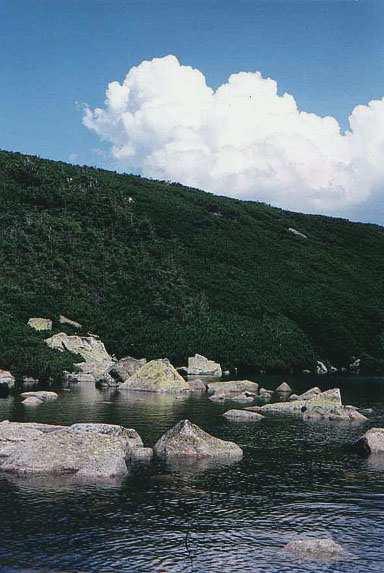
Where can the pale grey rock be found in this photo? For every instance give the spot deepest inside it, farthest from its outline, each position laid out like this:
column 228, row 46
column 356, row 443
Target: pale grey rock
column 32, row 401
column 266, row 394
column 126, row 367
column 7, row 381
column 65, row 320
column 321, row 368
column 258, row 409
column 284, row 388
column 197, row 385
column 232, row 388
column 42, row 395
column 157, row 376
column 323, row 549
column 86, row 451
column 243, row 398
column 90, row 348
column 293, row 397
column 372, row 442
column 328, row 401
column 199, row 365
column 333, row 413
column 309, row 394
column 188, row 440
column 297, row 233
column 243, row 416
column 40, row 323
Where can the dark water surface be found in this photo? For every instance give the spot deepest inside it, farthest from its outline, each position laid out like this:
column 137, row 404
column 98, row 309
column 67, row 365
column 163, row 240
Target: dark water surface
column 294, row 478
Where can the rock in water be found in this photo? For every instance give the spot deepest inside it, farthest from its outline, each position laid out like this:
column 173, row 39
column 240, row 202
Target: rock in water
column 243, row 416
column 40, row 323
column 126, row 367
column 328, row 401
column 200, row 366
column 332, row 413
column 7, row 381
column 311, row 548
column 372, row 442
column 94, row 451
column 284, row 388
column 42, row 395
column 188, row 440
column 232, row 388
column 197, row 385
column 157, row 376
column 32, row 401
column 309, row 394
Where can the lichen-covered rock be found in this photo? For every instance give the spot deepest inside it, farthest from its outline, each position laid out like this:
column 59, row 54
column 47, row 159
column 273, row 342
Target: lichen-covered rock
column 92, row 451
column 243, row 416
column 188, row 440
column 157, row 376
column 199, row 365
column 40, row 323
column 310, row 394
column 90, row 348
column 328, row 401
column 313, row 548
column 372, row 442
column 331, row 413
column 7, row 381
column 232, row 388
column 284, row 388
column 126, row 367
column 42, row 395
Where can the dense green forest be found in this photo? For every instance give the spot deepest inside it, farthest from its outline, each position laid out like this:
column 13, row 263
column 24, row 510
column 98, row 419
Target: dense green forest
column 157, row 269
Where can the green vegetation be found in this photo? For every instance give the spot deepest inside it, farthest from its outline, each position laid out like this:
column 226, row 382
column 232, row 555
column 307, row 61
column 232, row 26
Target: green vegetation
column 157, row 269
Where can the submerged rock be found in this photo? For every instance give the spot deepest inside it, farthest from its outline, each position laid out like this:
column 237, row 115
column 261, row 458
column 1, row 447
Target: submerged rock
column 188, row 440
column 95, row 451
column 157, row 376
column 372, row 442
column 7, row 381
column 40, row 323
column 316, row 548
column 42, row 395
column 199, row 365
column 243, row 416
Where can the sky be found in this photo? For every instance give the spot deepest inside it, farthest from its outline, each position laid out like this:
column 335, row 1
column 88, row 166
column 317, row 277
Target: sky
column 257, row 99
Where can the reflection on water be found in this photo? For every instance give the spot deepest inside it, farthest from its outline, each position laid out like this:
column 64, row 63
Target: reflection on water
column 295, row 478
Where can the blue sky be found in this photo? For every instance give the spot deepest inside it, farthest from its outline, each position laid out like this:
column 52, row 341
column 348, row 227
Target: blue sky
column 58, row 54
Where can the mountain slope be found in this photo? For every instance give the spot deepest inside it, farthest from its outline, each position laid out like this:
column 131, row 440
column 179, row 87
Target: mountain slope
column 159, row 269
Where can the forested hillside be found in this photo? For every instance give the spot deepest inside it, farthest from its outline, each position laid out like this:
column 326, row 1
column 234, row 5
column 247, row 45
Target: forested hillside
column 157, row 269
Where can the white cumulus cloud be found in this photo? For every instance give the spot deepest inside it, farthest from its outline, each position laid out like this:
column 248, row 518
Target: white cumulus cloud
column 241, row 140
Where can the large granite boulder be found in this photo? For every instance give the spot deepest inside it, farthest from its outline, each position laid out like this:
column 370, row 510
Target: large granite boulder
column 284, row 389
column 199, row 365
column 323, row 549
column 157, row 376
column 243, row 416
column 126, row 367
column 188, row 440
column 92, row 451
column 40, row 323
column 96, row 363
column 232, row 388
column 7, row 381
column 332, row 413
column 372, row 442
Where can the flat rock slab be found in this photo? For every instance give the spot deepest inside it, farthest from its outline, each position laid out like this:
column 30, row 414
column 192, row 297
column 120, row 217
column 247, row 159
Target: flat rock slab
column 86, row 451
column 323, row 549
column 232, row 388
column 243, row 416
column 42, row 395
column 189, row 441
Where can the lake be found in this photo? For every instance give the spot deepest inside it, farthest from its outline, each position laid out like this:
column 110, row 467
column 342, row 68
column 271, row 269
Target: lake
column 295, row 478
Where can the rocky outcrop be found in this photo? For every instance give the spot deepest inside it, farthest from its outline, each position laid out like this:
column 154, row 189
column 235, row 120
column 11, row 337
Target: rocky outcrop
column 40, row 323
column 96, row 363
column 243, row 416
column 7, row 381
column 323, row 549
column 88, row 451
column 157, row 376
column 199, row 365
column 334, row 413
column 232, row 388
column 64, row 320
column 189, row 441
column 125, row 368
column 372, row 442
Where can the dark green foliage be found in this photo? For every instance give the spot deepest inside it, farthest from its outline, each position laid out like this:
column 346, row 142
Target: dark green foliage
column 157, row 269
